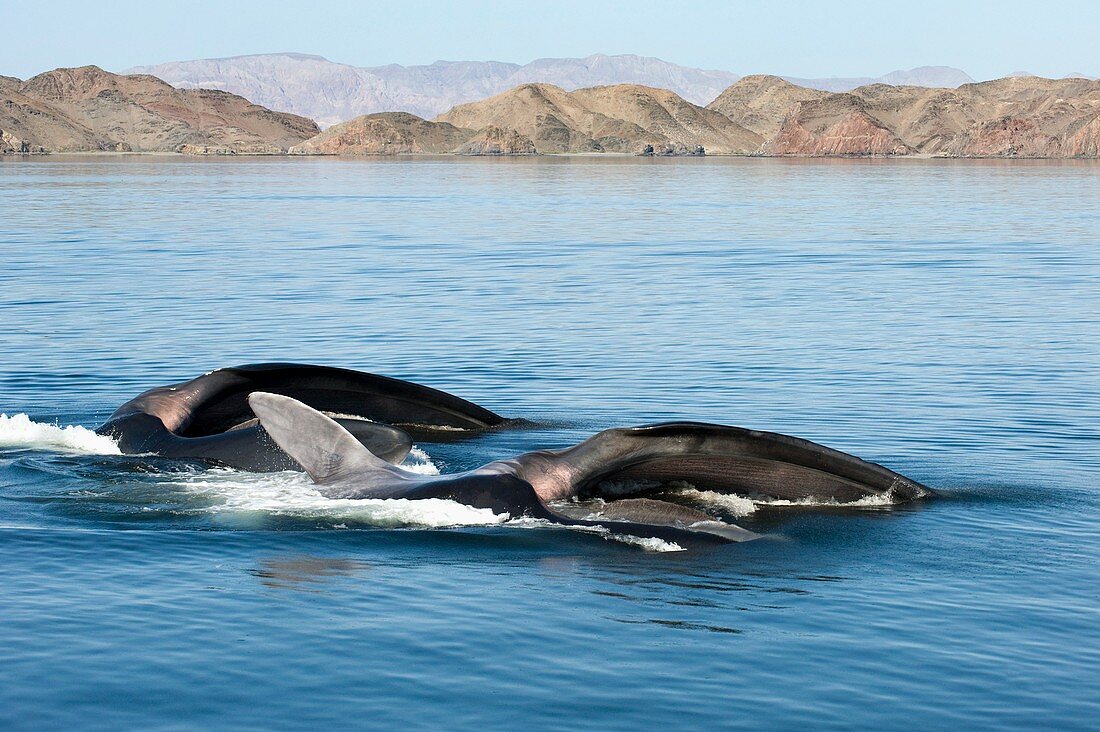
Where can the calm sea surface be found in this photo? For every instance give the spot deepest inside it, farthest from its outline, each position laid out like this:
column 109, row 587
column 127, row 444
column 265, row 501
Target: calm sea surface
column 940, row 317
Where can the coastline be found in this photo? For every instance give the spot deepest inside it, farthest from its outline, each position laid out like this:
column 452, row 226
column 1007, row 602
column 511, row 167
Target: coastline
column 109, row 154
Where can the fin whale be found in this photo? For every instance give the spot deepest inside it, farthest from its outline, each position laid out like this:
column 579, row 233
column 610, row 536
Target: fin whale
column 208, row 417
column 541, row 484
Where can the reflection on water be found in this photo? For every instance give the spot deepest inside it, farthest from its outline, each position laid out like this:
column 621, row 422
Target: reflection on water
column 306, row 572
column 939, row 317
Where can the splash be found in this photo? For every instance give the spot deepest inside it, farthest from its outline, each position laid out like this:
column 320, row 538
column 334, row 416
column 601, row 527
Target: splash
column 20, row 431
column 419, row 461
column 234, row 494
column 730, row 503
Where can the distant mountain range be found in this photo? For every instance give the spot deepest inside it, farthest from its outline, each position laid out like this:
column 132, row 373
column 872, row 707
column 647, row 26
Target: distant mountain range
column 331, row 92
column 944, row 77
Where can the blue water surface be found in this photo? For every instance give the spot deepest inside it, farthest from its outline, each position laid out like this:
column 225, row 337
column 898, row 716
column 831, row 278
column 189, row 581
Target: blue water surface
column 939, row 317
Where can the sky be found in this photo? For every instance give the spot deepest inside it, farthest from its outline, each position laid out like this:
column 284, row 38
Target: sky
column 807, row 38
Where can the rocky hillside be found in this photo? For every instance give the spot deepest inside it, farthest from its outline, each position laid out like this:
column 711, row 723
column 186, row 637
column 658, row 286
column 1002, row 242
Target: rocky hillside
column 1012, row 117
column 761, row 103
column 624, row 118
column 401, row 133
column 387, row 133
column 87, row 108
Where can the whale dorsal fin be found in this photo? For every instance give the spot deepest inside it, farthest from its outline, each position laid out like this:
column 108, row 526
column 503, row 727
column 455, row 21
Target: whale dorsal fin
column 324, row 449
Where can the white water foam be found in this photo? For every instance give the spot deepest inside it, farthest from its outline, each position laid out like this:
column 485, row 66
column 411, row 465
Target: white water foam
column 21, row 431
column 234, row 493
column 730, row 503
column 237, row 495
column 649, row 543
column 742, row 506
column 419, row 461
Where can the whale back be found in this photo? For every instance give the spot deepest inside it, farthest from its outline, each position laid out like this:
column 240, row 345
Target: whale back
column 217, row 401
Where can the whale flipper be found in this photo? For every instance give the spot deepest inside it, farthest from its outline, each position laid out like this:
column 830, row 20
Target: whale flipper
column 324, row 448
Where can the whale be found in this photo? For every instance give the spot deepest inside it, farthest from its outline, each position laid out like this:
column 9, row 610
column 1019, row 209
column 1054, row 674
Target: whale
column 208, row 418
column 580, row 486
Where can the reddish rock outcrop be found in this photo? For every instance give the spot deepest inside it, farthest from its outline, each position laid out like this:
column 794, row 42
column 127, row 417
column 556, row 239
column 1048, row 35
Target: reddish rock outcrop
column 498, row 141
column 1085, row 141
column 1013, row 117
column 838, row 125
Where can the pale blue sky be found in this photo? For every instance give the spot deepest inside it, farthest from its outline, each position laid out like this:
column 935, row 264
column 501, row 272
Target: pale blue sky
column 798, row 38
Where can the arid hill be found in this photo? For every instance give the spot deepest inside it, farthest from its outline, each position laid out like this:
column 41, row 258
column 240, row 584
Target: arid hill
column 761, row 102
column 386, row 133
column 1023, row 116
column 401, row 133
column 498, row 141
column 87, row 108
column 623, row 118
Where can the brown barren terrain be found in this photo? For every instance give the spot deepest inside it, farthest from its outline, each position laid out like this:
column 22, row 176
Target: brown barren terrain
column 88, row 109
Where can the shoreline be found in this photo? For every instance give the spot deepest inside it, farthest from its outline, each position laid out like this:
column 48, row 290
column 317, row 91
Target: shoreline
column 107, row 154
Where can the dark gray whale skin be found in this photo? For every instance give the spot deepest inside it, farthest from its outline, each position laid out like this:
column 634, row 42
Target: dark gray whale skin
column 546, row 484
column 208, row 417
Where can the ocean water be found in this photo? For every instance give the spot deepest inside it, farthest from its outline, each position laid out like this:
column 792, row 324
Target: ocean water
column 939, row 317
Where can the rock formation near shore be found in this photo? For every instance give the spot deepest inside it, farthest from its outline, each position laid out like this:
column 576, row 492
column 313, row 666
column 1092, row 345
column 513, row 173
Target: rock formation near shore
column 624, row 118
column 498, row 141
column 87, row 108
column 401, row 133
column 386, row 133
column 761, row 103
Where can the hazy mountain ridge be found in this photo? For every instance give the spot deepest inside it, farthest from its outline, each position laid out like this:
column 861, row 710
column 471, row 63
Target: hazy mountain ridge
column 87, row 108
column 331, row 92
column 945, row 77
